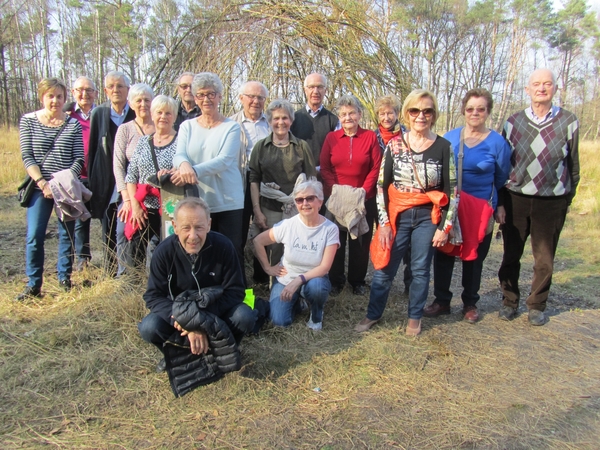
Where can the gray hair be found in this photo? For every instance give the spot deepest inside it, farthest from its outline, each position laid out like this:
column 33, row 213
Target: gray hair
column 323, row 79
column 88, row 79
column 191, row 203
column 349, row 100
column 311, row 183
column 162, row 101
column 279, row 103
column 206, row 80
column 139, row 89
column 245, row 85
column 118, row 75
column 185, row 74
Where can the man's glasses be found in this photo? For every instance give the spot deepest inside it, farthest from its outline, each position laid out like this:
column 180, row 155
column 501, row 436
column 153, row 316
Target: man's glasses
column 88, row 91
column 308, row 198
column 260, row 98
column 320, row 87
column 210, row 96
column 427, row 112
column 185, row 86
column 471, row 110
column 113, row 87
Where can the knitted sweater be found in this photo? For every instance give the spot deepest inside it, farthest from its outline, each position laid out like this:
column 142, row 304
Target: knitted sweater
column 545, row 157
column 314, row 130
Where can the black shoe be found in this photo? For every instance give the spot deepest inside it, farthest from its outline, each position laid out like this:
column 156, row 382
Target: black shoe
column 65, row 285
column 536, row 318
column 359, row 289
column 335, row 290
column 161, row 366
column 29, row 291
column 507, row 313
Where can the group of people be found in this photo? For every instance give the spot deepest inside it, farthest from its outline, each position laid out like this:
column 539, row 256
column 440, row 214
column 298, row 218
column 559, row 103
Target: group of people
column 304, row 185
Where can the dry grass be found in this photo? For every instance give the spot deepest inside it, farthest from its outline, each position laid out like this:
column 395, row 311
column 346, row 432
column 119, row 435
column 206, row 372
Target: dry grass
column 75, row 374
column 10, row 160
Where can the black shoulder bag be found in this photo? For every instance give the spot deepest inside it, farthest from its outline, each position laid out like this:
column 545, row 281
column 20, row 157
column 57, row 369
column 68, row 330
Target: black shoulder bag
column 25, row 189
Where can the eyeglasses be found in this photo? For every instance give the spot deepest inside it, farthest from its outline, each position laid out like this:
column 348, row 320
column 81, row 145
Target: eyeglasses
column 210, row 96
column 88, row 91
column 118, row 87
column 260, row 98
column 471, row 109
column 427, row 112
column 185, row 86
column 308, row 198
column 320, row 87
column 343, row 115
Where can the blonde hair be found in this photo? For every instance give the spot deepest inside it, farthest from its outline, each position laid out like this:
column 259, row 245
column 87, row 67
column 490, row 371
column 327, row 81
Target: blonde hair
column 50, row 84
column 388, row 100
column 413, row 98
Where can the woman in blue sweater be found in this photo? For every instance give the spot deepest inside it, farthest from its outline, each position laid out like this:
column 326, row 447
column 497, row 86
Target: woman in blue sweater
column 486, row 164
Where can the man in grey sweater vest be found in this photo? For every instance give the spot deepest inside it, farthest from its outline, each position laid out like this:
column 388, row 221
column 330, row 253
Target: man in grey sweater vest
column 313, row 122
column 539, row 191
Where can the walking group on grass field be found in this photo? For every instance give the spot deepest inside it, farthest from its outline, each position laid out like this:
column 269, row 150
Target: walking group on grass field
column 298, row 187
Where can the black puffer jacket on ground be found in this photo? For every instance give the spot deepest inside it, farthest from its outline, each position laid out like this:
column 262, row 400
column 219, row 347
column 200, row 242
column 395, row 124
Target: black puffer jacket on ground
column 186, row 370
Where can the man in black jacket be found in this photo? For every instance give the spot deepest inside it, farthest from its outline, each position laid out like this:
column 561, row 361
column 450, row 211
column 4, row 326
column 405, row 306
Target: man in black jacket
column 194, row 258
column 106, row 118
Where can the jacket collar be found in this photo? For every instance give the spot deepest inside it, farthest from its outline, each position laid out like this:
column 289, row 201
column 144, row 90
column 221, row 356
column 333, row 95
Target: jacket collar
column 269, row 139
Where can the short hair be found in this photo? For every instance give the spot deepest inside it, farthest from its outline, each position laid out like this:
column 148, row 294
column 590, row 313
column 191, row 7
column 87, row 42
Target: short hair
column 139, row 89
column 192, row 202
column 279, row 103
column 163, row 101
column 88, row 79
column 50, row 84
column 263, row 87
column 205, row 80
column 413, row 98
column 390, row 101
column 185, row 74
column 539, row 70
column 117, row 74
column 323, row 77
column 349, row 100
column 478, row 93
column 311, row 183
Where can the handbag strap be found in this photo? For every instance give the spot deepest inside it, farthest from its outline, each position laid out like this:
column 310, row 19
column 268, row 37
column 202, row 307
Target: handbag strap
column 461, row 155
column 153, row 152
column 412, row 162
column 60, row 130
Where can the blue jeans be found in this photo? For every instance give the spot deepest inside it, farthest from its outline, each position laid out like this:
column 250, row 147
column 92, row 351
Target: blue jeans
column 82, row 240
column 38, row 215
column 315, row 291
column 415, row 230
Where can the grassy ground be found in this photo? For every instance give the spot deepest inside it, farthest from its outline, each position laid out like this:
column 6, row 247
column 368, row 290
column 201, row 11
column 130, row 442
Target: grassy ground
column 75, row 374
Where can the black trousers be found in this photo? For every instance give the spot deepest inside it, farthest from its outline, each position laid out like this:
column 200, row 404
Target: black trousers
column 358, row 252
column 259, row 274
column 542, row 219
column 443, row 266
column 109, row 237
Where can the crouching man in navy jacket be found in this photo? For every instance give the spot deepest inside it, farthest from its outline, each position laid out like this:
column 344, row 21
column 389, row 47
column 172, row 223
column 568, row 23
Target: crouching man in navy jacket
column 196, row 267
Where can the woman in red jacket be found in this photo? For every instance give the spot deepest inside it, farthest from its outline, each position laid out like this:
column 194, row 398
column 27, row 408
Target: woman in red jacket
column 351, row 157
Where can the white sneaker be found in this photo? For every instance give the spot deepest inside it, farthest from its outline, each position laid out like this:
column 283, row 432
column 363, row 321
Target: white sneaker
column 314, row 326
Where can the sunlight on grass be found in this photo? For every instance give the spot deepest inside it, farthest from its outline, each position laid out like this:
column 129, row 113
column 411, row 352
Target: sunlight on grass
column 76, row 374
column 10, row 159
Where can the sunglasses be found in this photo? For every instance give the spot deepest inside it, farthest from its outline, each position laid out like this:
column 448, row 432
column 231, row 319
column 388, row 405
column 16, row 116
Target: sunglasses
column 308, row 198
column 427, row 112
column 471, row 109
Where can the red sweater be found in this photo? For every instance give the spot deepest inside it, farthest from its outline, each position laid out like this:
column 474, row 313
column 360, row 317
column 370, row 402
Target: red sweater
column 353, row 161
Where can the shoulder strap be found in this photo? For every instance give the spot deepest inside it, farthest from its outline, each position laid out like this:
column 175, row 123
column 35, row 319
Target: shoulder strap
column 461, row 154
column 412, row 162
column 60, row 130
column 153, row 151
